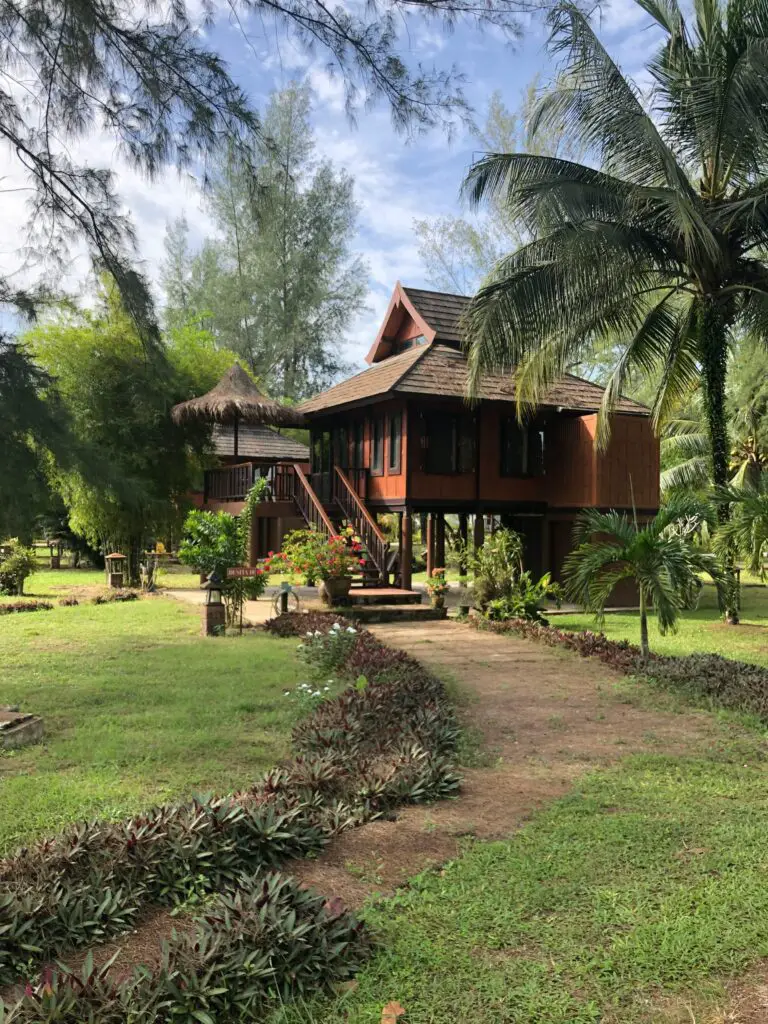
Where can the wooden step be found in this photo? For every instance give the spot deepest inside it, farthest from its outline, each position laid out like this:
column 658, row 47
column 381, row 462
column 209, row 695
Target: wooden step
column 368, row 614
column 361, row 596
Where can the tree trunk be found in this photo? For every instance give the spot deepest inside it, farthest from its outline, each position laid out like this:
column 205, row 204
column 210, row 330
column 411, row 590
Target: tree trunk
column 644, row 646
column 713, row 347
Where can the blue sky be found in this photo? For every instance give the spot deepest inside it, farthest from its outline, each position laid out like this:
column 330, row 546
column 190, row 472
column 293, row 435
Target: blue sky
column 396, row 181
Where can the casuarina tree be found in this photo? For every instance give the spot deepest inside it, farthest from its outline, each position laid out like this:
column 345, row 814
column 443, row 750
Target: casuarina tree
column 658, row 242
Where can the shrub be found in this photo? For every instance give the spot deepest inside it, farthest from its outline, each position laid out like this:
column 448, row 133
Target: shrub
column 115, row 596
column 497, row 565
column 618, row 654
column 68, row 602
column 15, row 567
column 9, row 607
column 720, row 681
column 311, row 555
column 300, row 623
column 524, row 599
column 327, row 651
column 269, row 941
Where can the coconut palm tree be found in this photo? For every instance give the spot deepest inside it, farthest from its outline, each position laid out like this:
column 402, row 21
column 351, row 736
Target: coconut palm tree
column 745, row 532
column 658, row 556
column 661, row 245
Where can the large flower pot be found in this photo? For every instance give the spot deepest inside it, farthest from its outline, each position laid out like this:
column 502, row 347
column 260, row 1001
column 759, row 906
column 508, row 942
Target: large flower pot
column 334, row 590
column 437, row 600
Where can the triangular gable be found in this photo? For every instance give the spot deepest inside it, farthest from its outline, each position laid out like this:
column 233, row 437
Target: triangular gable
column 402, row 322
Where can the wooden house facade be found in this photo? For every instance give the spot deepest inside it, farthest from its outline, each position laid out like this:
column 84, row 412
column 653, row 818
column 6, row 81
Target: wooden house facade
column 400, row 437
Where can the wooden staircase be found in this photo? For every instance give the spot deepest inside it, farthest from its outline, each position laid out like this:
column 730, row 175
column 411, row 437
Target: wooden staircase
column 291, row 483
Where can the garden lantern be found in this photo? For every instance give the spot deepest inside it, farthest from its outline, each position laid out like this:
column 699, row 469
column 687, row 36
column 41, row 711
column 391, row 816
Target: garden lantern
column 214, row 617
column 115, row 564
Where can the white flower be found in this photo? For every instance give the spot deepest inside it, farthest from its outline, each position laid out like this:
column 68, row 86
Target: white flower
column 350, row 630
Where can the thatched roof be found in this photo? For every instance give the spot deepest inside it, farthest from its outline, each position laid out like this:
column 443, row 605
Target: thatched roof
column 236, row 398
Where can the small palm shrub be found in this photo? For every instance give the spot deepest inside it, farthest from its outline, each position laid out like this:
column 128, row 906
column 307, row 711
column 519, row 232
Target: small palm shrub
column 657, row 556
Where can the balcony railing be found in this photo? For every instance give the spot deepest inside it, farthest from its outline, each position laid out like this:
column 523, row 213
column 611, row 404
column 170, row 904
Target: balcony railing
column 232, row 483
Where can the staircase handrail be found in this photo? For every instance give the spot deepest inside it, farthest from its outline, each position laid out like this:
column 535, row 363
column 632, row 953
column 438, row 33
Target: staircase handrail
column 305, row 490
column 370, row 531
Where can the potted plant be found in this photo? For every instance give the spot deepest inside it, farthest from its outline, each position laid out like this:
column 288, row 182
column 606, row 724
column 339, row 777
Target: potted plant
column 465, row 597
column 332, row 561
column 437, row 588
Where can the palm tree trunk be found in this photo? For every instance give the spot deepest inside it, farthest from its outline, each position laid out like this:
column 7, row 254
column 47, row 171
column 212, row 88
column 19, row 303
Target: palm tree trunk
column 713, row 340
column 645, row 649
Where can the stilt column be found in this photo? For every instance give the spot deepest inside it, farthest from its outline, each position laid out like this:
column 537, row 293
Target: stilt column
column 440, row 540
column 406, row 550
column 430, row 544
column 464, row 538
column 479, row 532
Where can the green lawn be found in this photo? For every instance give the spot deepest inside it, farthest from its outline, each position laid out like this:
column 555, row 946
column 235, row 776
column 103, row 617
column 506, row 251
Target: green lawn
column 646, row 884
column 700, row 630
column 138, row 708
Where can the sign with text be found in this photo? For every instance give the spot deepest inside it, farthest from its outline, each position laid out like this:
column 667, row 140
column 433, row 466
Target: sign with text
column 244, row 570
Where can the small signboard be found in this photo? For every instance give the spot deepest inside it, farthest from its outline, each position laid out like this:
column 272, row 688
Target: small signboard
column 244, row 570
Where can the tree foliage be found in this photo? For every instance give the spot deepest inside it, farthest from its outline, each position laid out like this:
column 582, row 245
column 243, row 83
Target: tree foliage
column 34, row 427
column 136, row 468
column 278, row 283
column 745, row 532
column 661, row 243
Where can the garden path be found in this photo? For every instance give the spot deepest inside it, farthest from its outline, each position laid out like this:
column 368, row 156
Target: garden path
column 539, row 717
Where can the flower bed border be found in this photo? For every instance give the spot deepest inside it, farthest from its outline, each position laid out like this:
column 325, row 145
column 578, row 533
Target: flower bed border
column 711, row 679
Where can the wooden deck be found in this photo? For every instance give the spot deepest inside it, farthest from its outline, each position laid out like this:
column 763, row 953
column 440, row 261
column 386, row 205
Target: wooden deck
column 383, row 595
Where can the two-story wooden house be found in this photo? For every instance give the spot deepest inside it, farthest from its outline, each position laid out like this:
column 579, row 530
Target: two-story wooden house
column 400, row 437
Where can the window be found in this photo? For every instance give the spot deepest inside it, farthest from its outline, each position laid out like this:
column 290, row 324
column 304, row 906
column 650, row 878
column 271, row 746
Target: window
column 450, row 443
column 358, row 452
column 522, row 449
column 395, row 434
column 377, row 447
column 341, row 450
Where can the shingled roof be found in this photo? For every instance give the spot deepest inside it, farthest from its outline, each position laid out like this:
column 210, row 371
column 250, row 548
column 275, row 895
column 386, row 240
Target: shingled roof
column 441, row 371
column 258, row 442
column 441, row 310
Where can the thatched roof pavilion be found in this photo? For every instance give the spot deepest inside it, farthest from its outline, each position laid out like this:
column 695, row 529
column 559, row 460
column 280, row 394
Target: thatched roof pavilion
column 235, row 400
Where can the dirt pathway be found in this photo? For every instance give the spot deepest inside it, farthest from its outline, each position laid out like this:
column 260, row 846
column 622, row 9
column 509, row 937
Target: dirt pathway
column 542, row 716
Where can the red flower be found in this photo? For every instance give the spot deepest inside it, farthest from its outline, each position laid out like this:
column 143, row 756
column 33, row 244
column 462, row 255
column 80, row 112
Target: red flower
column 362, row 561
column 270, row 554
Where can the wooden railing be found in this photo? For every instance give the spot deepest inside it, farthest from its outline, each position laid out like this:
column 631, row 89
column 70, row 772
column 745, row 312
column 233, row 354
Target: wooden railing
column 353, row 508
column 232, row 483
column 309, row 504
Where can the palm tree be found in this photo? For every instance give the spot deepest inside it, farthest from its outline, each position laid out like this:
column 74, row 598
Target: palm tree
column 745, row 533
column 658, row 556
column 660, row 246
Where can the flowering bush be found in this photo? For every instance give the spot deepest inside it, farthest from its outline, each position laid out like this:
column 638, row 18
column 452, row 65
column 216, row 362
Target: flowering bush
column 306, row 697
column 309, row 554
column 437, row 584
column 327, row 652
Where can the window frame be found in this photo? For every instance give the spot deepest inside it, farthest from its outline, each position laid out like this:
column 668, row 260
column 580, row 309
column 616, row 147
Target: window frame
column 526, row 470
column 394, row 442
column 377, row 446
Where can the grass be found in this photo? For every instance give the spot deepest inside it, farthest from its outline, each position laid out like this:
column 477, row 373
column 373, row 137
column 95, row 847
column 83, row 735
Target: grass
column 646, row 883
column 699, row 630
column 138, row 708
